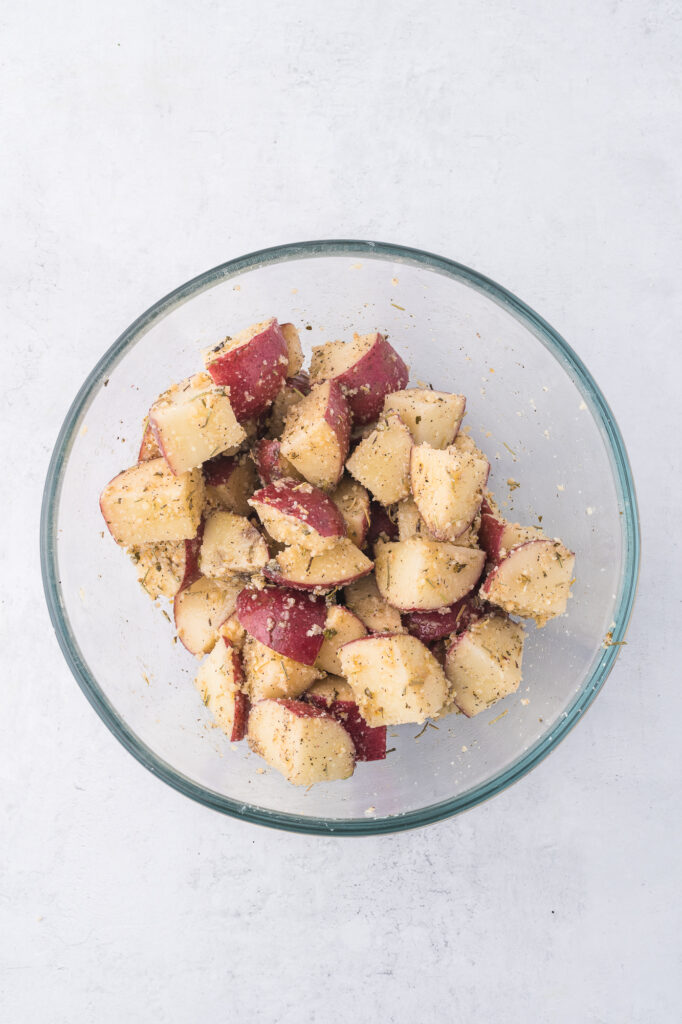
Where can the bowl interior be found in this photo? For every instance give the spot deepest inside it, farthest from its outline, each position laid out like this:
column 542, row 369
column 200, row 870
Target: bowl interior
column 531, row 408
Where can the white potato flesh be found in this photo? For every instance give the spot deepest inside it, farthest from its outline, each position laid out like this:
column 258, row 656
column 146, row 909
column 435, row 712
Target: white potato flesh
column 231, row 544
column 294, row 350
column 483, row 664
column 219, row 682
column 533, row 581
column 395, row 679
column 332, row 688
column 335, row 357
column 149, row 503
column 433, row 417
column 352, row 501
column 424, row 574
column 363, row 598
column 381, row 462
column 315, row 437
column 447, row 486
column 340, row 628
column 340, row 565
column 201, row 609
column 160, row 567
column 269, row 674
column 410, row 523
column 233, row 631
column 304, row 748
column 464, row 443
column 233, row 494
column 193, row 421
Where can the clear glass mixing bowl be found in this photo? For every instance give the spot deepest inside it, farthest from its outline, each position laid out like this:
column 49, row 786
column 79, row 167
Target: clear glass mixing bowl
column 532, row 406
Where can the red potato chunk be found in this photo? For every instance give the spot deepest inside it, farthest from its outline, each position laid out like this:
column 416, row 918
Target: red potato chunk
column 367, row 369
column 532, row 581
column 381, row 462
column 218, row 681
column 149, row 449
column 430, row 626
column 420, row 574
column 290, row 394
column 340, row 565
column 200, row 610
column 253, row 365
column 271, row 464
column 298, row 513
column 483, row 664
column 340, row 627
column 447, row 486
column 498, row 536
column 316, row 436
column 433, row 417
column 334, row 695
column 231, row 545
column 193, row 421
column 271, row 675
column 164, row 568
column 352, row 501
column 294, row 350
column 233, row 631
column 304, row 743
column 395, row 679
column 230, row 482
column 410, row 523
column 365, row 601
column 149, row 503
column 287, row 621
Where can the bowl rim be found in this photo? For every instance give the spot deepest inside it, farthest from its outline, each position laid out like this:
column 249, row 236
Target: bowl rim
column 622, row 477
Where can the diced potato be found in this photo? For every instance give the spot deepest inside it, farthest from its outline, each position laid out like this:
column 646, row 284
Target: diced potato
column 447, row 486
column 418, row 573
column 160, row 567
column 366, row 369
column 200, row 610
column 352, row 501
column 533, row 581
column 337, row 567
column 433, row 417
column 298, row 513
column 303, row 742
column 294, row 350
column 148, row 503
column 395, row 679
column 365, row 601
column 231, row 545
column 269, row 674
column 381, row 462
column 218, row 681
column 341, row 627
column 483, row 664
column 316, row 435
column 230, row 482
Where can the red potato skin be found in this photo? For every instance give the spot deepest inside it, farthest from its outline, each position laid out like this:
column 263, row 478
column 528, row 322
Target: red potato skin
column 192, row 549
column 383, row 370
column 282, row 618
column 370, row 742
column 338, row 416
column 302, row 709
column 490, row 532
column 242, row 704
column 429, row 626
column 254, row 372
column 299, row 382
column 381, row 526
column 275, row 577
column 266, row 457
column 149, row 447
column 219, row 470
column 310, row 505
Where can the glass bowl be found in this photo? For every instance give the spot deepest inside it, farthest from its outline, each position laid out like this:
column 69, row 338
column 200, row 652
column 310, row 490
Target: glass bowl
column 531, row 405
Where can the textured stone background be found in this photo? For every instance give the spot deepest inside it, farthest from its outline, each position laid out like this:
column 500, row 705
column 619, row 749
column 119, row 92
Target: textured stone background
column 144, row 142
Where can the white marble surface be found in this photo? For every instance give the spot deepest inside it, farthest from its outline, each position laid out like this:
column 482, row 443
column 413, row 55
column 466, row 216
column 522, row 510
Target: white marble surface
column 144, row 142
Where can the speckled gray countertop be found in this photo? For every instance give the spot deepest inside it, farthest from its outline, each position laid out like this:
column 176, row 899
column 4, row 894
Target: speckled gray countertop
column 539, row 143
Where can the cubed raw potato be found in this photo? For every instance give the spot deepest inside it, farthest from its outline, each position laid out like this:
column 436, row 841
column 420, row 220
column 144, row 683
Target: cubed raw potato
column 410, row 523
column 269, row 674
column 290, row 394
column 381, row 462
column 334, row 695
column 298, row 513
column 483, row 664
column 149, row 503
column 423, row 574
column 395, row 679
column 294, row 350
column 383, row 524
column 163, row 568
column 288, row 621
column 433, row 417
column 365, row 601
column 230, row 482
column 231, row 545
column 149, row 449
column 201, row 609
column 352, row 501
column 253, row 365
column 271, row 464
column 430, row 626
column 193, row 421
column 498, row 536
column 340, row 627
column 296, row 567
column 303, row 742
column 218, row 681
column 316, row 435
column 447, row 486
column 367, row 369
column 532, row 581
